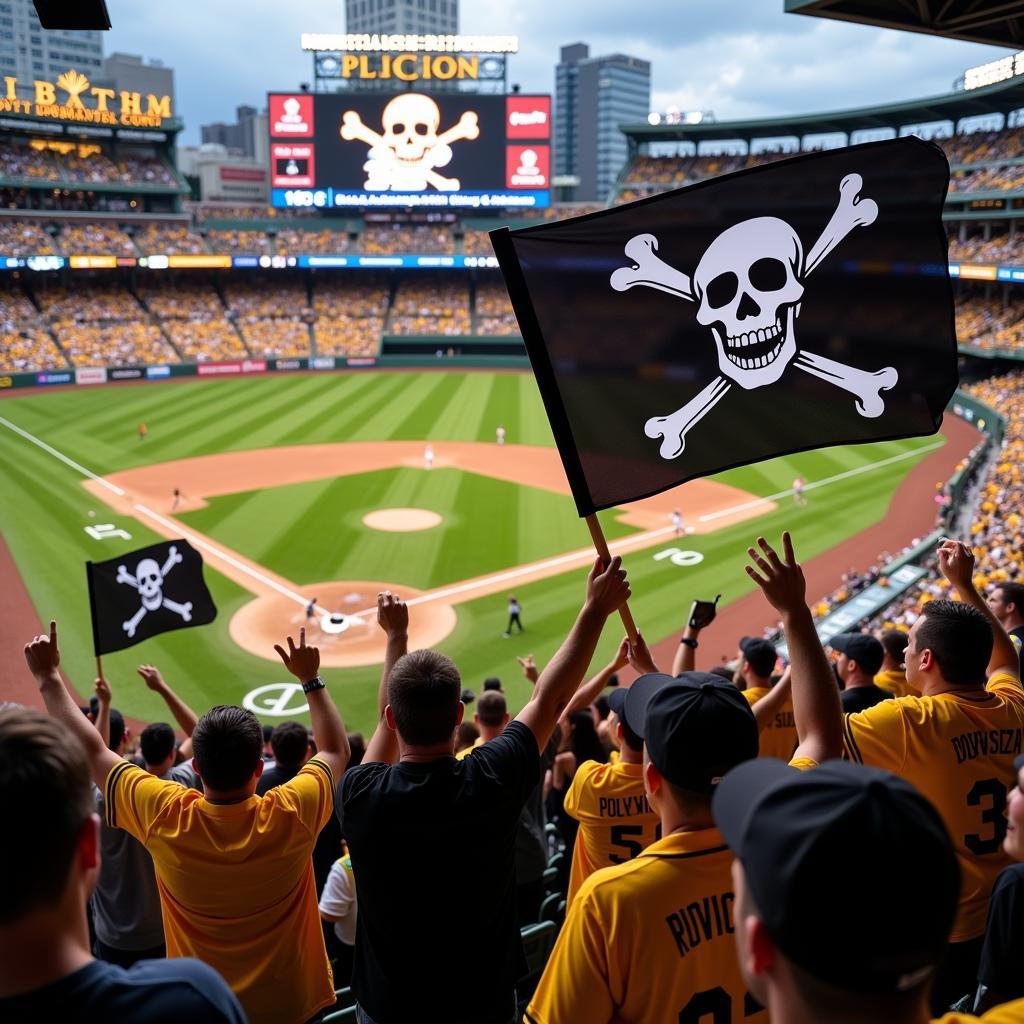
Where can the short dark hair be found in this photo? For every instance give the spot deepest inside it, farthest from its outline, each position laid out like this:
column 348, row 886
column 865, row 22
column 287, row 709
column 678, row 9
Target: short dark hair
column 268, row 731
column 157, row 742
column 1013, row 593
column 357, row 749
column 600, row 705
column 290, row 743
column 116, row 729
column 630, row 738
column 491, row 709
column 423, row 691
column 227, row 744
column 492, row 683
column 960, row 639
column 466, row 734
column 45, row 787
column 894, row 641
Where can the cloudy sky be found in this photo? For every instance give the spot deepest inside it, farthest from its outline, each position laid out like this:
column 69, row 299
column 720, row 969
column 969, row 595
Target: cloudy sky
column 734, row 57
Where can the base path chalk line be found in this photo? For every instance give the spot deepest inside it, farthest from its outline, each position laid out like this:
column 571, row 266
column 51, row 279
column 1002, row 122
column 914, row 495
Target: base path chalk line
column 257, row 579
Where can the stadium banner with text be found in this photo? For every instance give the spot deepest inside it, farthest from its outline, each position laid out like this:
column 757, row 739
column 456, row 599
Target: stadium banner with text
column 380, row 150
column 788, row 307
column 143, row 593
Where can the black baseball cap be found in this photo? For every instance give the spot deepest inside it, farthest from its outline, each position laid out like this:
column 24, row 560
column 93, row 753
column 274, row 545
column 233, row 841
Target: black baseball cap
column 468, row 696
column 492, row 683
column 862, row 648
column 799, row 834
column 695, row 726
column 760, row 653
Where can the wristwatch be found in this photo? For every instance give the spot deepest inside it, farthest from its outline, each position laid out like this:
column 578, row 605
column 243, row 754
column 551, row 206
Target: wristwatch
column 316, row 683
column 689, row 642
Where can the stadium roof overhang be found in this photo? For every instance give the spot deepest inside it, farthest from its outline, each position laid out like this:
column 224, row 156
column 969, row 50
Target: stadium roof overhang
column 999, row 98
column 996, row 22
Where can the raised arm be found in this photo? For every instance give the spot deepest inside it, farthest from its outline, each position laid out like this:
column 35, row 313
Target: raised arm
column 328, row 731
column 593, row 687
column 186, row 718
column 816, row 708
column 956, row 560
column 393, row 618
column 607, row 591
column 104, row 696
column 702, row 614
column 43, row 657
column 773, row 701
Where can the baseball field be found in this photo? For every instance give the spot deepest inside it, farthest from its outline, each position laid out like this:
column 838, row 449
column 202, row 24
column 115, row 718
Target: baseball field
column 316, row 487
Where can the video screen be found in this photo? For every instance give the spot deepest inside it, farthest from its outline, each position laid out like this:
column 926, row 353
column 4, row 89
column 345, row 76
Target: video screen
column 410, row 149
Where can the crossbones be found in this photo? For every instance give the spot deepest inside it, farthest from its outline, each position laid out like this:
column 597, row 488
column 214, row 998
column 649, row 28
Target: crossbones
column 404, row 156
column 148, row 581
column 749, row 287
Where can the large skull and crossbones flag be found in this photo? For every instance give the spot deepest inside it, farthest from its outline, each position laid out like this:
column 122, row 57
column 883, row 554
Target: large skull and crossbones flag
column 145, row 592
column 792, row 306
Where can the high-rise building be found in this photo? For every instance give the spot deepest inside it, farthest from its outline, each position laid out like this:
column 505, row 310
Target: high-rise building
column 413, row 17
column 27, row 51
column 593, row 96
column 127, row 72
column 246, row 137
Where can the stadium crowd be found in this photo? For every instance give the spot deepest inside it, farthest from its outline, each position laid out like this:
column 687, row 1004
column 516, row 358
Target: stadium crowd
column 436, row 306
column 982, row 323
column 236, row 872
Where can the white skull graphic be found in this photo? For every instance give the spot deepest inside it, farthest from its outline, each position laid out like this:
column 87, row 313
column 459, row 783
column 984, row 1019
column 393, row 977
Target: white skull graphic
column 749, row 294
column 410, row 126
column 150, row 584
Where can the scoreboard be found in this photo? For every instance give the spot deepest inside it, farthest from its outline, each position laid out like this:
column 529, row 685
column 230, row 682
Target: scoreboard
column 409, row 150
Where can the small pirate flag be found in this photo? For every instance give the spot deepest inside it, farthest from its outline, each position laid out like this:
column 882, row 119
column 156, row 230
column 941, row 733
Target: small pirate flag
column 792, row 306
column 147, row 592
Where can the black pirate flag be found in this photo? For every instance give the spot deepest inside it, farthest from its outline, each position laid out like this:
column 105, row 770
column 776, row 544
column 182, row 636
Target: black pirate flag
column 797, row 305
column 146, row 592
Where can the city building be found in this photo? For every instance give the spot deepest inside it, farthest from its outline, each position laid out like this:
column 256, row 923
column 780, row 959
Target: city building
column 593, row 96
column 246, row 137
column 27, row 52
column 127, row 72
column 417, row 17
column 217, row 176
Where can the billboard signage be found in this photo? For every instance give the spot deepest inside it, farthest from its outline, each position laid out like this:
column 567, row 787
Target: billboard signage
column 54, row 378
column 91, row 375
column 410, row 150
column 154, row 372
column 131, row 372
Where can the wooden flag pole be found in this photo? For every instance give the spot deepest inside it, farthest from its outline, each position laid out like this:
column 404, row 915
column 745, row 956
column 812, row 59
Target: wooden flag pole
column 99, row 666
column 597, row 535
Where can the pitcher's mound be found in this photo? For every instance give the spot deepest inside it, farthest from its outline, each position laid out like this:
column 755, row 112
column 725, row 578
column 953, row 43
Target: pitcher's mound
column 267, row 620
column 401, row 520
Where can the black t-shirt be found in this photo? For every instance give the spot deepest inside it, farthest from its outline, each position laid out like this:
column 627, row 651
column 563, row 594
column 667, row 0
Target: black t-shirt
column 417, row 833
column 861, row 697
column 328, row 844
column 150, row 992
column 1002, row 956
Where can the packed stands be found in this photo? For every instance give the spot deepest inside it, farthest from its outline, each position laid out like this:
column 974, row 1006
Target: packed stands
column 477, row 243
column 128, row 343
column 276, row 336
column 95, row 239
column 494, row 310
column 350, row 314
column 385, row 239
column 326, row 242
column 266, row 296
column 25, row 344
column 985, row 323
column 194, row 318
column 19, row 159
column 236, row 240
column 425, row 306
column 20, row 237
column 167, row 239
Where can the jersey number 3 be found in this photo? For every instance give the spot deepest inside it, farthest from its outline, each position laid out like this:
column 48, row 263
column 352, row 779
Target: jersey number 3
column 990, row 795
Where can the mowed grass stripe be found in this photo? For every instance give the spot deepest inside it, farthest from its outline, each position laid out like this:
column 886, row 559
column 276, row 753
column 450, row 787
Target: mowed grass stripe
column 426, row 397
column 302, row 422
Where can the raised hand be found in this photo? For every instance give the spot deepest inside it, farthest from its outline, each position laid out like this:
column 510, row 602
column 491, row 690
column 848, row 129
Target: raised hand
column 303, row 662
column 607, row 588
column 956, row 561
column 392, row 614
column 151, row 677
column 781, row 579
column 529, row 667
column 621, row 659
column 103, row 692
column 42, row 654
column 639, row 655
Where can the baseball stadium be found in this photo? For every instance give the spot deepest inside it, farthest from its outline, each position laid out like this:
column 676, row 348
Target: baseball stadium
column 328, row 396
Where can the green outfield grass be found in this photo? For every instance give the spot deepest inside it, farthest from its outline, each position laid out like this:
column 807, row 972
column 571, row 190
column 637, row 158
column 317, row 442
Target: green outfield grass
column 312, row 532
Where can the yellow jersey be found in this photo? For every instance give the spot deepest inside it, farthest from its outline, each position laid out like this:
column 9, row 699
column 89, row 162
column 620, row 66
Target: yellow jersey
column 616, row 821
column 778, row 738
column 894, row 681
column 958, row 750
column 651, row 942
column 1008, row 1013
column 236, row 883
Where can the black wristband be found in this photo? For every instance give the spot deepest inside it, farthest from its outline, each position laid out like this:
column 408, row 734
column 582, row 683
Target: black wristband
column 316, row 683
column 689, row 642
